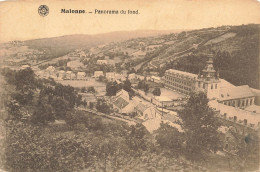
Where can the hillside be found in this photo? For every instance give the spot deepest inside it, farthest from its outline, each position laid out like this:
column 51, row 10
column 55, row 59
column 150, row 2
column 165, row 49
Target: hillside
column 70, row 42
column 235, row 50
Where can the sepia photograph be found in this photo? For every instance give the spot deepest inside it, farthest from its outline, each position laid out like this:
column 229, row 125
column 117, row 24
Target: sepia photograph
column 130, row 86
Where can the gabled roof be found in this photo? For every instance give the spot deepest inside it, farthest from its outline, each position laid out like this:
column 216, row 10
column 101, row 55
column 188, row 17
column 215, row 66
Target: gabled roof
column 182, row 73
column 122, row 93
column 238, row 92
column 120, row 103
column 141, row 107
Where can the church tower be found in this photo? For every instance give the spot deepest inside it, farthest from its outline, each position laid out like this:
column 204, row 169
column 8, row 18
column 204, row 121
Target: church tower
column 208, row 80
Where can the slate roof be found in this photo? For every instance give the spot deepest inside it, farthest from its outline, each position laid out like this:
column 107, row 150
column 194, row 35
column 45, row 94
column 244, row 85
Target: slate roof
column 238, row 92
column 182, row 73
column 120, row 103
column 141, row 107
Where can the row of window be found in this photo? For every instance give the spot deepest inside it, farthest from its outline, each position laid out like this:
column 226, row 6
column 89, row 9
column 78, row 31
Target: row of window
column 179, row 81
column 204, row 85
column 178, row 76
column 179, row 86
column 240, row 103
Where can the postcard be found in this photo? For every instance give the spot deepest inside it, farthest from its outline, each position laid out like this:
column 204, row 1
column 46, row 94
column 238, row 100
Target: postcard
column 120, row 85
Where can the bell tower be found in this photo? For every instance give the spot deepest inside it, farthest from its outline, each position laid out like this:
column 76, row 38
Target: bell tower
column 208, row 80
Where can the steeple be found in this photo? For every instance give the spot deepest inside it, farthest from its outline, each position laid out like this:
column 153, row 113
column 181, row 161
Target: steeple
column 209, row 71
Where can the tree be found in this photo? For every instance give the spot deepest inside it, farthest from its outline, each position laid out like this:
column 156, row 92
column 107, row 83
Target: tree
column 146, row 88
column 111, row 89
column 25, row 80
column 91, row 89
column 137, row 139
column 91, row 105
column 157, row 91
column 102, row 106
column 141, row 84
column 200, row 125
column 248, row 153
column 169, row 139
column 83, row 89
column 42, row 114
column 127, row 85
column 60, row 107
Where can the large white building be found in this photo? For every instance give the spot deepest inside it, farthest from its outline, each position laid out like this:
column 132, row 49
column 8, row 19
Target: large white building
column 234, row 104
column 208, row 81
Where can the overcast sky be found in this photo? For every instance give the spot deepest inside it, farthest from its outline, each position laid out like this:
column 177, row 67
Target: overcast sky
column 19, row 20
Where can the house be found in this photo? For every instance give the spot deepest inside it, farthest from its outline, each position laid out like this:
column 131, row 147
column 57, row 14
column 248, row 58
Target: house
column 141, row 44
column 124, row 73
column 97, row 74
column 120, row 103
column 140, row 77
column 73, row 76
column 148, row 78
column 81, row 75
column 50, row 70
column 61, row 74
column 68, row 75
column 122, row 93
column 119, row 77
column 232, row 140
column 102, row 62
column 240, row 96
column 156, row 79
column 111, row 76
column 131, row 77
column 146, row 112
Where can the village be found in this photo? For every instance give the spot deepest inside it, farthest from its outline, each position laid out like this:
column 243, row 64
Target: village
column 138, row 82
column 151, row 99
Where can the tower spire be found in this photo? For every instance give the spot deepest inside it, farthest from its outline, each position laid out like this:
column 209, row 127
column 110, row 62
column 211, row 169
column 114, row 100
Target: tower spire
column 209, row 71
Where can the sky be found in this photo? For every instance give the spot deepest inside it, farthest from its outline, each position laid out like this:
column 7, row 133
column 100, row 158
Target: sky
column 19, row 20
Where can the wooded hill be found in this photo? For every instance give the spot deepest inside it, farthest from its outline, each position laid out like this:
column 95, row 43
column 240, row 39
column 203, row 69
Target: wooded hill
column 235, row 50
